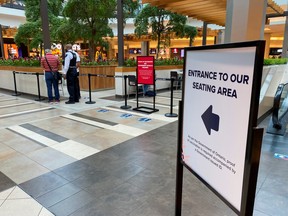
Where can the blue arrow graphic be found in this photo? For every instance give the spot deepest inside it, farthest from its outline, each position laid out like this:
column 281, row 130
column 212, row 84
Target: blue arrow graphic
column 211, row 120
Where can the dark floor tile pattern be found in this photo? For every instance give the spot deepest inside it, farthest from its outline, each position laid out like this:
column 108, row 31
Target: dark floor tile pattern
column 126, row 197
column 72, row 204
column 43, row 184
column 75, row 170
column 59, row 194
column 94, row 119
column 5, row 182
column 45, row 133
column 90, row 179
column 100, row 208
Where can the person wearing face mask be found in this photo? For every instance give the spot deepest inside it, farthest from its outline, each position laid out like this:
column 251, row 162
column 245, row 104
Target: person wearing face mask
column 70, row 74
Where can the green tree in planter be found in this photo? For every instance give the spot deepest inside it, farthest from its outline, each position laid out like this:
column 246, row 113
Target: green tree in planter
column 162, row 23
column 65, row 32
column 131, row 8
column 29, row 34
column 188, row 32
column 87, row 20
column 91, row 18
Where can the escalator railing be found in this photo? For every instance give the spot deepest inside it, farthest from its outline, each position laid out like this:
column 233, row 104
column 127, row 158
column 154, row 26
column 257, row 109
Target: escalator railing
column 280, row 106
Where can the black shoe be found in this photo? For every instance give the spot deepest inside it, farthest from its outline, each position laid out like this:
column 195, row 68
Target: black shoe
column 77, row 101
column 69, row 102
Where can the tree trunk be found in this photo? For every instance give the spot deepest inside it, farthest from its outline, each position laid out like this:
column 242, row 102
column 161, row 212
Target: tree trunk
column 92, row 51
column 190, row 42
column 63, row 51
column 158, row 45
column 41, row 50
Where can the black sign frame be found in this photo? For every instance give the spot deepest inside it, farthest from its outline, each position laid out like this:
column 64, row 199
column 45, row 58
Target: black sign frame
column 254, row 136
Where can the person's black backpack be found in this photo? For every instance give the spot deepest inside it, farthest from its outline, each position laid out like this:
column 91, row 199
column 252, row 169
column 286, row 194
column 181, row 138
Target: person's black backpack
column 74, row 58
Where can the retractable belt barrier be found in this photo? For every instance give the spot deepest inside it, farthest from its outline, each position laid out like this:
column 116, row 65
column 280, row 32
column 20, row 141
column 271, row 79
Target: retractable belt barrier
column 27, row 73
column 168, row 79
column 171, row 114
column 101, row 75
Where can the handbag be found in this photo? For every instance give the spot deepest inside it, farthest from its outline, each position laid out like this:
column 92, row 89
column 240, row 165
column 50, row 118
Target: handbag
column 56, row 74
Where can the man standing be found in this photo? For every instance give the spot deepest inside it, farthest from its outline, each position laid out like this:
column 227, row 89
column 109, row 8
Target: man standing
column 50, row 64
column 70, row 73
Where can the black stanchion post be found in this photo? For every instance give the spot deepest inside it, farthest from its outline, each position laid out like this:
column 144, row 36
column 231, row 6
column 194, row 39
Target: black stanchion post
column 38, row 86
column 125, row 89
column 154, row 90
column 179, row 165
column 171, row 114
column 89, row 83
column 15, row 86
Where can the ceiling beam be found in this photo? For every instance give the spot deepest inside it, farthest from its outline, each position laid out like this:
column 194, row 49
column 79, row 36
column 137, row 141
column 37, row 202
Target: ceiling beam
column 206, row 10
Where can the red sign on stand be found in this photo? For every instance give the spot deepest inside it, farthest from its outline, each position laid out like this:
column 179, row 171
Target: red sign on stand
column 145, row 70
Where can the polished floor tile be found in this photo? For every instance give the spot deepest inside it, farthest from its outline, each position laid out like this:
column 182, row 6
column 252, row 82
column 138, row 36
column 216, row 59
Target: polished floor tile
column 6, row 151
column 16, row 103
column 151, row 181
column 27, row 169
column 51, row 158
column 75, row 150
column 18, row 203
column 22, row 144
column 102, row 139
column 126, row 197
column 25, row 108
column 121, row 126
column 71, row 204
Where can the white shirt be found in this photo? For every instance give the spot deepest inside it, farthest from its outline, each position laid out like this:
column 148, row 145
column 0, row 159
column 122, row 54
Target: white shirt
column 77, row 59
column 77, row 56
column 67, row 60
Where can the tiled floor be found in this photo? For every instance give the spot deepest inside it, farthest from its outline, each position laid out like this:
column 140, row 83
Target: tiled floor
column 100, row 160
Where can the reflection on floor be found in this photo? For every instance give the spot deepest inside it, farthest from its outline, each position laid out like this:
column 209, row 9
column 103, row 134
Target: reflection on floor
column 98, row 159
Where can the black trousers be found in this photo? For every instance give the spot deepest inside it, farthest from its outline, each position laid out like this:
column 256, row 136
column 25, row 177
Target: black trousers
column 72, row 81
column 78, row 85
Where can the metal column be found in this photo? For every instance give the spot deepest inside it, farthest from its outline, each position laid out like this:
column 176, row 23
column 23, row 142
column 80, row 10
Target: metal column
column 204, row 33
column 45, row 24
column 120, row 33
column 285, row 40
column 1, row 43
